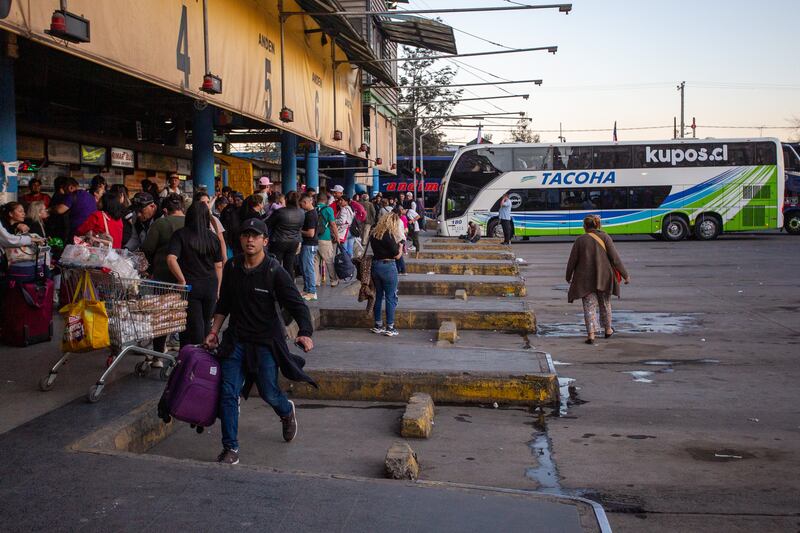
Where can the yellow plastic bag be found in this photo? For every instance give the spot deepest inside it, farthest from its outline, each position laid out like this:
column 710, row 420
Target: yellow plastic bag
column 85, row 320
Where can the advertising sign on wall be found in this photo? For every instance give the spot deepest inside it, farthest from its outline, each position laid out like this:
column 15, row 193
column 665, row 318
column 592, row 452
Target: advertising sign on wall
column 157, row 162
column 120, row 157
column 30, row 147
column 63, row 152
column 93, row 155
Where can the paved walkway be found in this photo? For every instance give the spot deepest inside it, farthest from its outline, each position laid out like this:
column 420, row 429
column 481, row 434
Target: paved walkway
column 46, row 486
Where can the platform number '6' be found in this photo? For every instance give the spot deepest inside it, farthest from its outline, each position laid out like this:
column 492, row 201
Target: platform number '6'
column 182, row 49
column 268, row 86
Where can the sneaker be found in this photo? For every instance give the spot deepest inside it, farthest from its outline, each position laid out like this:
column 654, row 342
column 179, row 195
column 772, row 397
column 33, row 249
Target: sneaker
column 334, row 283
column 289, row 425
column 309, row 296
column 229, row 457
column 379, row 329
column 157, row 363
column 391, row 332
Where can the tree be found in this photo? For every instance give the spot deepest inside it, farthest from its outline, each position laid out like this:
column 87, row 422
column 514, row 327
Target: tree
column 425, row 104
column 522, row 134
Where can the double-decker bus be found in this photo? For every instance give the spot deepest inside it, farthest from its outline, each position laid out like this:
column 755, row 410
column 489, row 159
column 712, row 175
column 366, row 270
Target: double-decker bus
column 668, row 189
column 791, row 200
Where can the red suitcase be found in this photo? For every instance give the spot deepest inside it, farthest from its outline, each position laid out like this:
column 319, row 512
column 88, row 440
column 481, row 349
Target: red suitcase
column 28, row 313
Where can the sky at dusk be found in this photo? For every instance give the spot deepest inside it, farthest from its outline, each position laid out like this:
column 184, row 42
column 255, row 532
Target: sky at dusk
column 621, row 60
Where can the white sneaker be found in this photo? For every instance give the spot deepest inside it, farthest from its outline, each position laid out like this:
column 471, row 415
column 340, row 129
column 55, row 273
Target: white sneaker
column 391, row 332
column 380, row 330
column 309, row 296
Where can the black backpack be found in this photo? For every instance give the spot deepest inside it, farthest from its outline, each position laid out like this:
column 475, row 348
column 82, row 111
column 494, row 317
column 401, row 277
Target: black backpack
column 322, row 224
column 343, row 264
column 355, row 227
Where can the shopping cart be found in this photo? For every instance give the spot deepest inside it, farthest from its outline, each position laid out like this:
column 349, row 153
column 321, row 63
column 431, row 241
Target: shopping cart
column 138, row 310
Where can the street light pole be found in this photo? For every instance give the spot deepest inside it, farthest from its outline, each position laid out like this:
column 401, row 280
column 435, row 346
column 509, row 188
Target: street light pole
column 682, row 88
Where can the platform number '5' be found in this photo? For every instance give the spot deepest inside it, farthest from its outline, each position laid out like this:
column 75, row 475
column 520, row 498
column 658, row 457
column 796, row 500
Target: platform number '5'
column 268, row 86
column 182, row 49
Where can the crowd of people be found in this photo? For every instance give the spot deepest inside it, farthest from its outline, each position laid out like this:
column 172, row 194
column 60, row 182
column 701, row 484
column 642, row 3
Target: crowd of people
column 187, row 239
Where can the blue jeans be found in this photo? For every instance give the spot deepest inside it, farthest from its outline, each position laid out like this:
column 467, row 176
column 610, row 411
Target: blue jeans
column 232, row 381
column 384, row 276
column 348, row 244
column 307, row 253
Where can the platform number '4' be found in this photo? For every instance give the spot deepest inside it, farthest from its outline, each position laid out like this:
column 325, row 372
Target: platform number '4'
column 268, row 87
column 183, row 61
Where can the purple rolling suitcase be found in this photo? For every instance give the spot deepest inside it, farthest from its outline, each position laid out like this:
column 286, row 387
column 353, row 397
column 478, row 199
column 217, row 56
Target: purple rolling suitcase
column 192, row 393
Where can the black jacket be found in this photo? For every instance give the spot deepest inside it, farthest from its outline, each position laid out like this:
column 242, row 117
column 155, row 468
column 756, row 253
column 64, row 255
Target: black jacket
column 285, row 224
column 250, row 298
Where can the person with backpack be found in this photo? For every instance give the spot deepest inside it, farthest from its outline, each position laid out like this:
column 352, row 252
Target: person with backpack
column 253, row 346
column 326, row 250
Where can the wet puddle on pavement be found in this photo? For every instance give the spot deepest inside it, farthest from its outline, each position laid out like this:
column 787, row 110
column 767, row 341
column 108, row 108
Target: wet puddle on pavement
column 626, row 322
column 664, row 366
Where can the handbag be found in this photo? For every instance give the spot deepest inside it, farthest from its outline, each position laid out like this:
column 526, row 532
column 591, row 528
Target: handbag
column 85, row 320
column 599, row 240
column 22, row 253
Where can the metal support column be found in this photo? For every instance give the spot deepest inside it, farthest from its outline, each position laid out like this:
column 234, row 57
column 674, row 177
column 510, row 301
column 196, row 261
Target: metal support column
column 376, row 181
column 349, row 183
column 8, row 126
column 312, row 167
column 203, row 149
column 288, row 162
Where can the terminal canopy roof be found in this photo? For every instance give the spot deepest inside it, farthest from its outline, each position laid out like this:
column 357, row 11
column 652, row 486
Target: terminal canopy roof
column 347, row 37
column 420, row 33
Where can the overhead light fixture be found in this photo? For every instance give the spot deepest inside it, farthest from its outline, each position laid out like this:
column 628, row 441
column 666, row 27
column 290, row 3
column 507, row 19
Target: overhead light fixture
column 286, row 115
column 69, row 26
column 211, row 84
column 168, row 121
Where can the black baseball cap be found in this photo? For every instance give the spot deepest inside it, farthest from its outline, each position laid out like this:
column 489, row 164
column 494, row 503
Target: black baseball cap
column 142, row 200
column 254, row 225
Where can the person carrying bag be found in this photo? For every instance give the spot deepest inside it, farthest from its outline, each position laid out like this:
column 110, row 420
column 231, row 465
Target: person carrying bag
column 85, row 320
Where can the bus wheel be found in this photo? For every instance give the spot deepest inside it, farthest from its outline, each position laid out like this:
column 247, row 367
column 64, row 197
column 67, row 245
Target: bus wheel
column 674, row 229
column 494, row 229
column 792, row 223
column 706, row 228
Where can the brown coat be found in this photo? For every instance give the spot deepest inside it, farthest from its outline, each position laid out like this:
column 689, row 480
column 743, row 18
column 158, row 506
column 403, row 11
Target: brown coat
column 589, row 268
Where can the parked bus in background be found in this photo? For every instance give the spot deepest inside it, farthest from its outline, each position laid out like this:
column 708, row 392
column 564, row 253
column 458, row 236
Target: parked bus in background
column 668, row 189
column 791, row 200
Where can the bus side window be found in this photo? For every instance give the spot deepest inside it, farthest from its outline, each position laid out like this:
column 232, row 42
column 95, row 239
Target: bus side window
column 533, row 158
column 578, row 157
column 612, row 157
column 740, row 154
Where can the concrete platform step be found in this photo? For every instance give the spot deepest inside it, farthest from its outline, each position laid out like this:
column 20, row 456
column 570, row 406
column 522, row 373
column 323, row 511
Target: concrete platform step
column 428, row 312
column 487, row 267
column 461, row 245
column 494, row 240
column 463, row 254
column 385, row 370
column 448, row 284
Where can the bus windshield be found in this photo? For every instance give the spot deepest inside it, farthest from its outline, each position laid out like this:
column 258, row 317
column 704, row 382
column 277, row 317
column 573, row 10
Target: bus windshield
column 473, row 170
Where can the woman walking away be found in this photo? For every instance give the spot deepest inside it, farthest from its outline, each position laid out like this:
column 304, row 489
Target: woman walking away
column 386, row 249
column 195, row 259
column 284, row 227
column 592, row 273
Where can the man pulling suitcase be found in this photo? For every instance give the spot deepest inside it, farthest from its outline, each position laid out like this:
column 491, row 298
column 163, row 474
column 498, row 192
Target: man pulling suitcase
column 253, row 346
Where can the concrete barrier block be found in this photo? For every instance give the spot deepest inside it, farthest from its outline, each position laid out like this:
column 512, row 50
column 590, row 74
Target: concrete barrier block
column 401, row 462
column 418, row 418
column 448, row 332
column 461, row 294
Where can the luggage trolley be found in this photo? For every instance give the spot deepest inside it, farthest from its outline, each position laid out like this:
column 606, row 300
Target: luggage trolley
column 138, row 310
